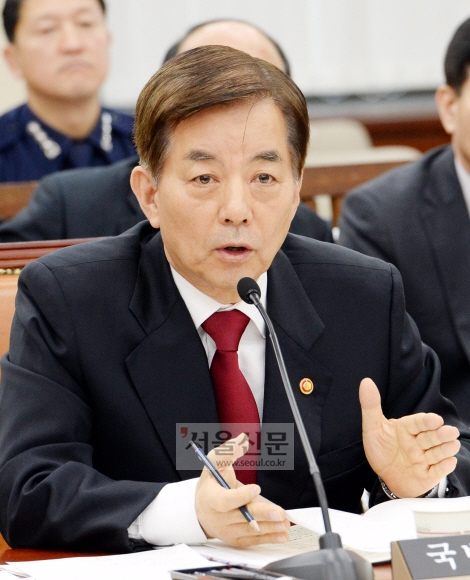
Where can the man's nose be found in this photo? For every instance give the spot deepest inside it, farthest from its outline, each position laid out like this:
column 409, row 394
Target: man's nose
column 236, row 203
column 71, row 37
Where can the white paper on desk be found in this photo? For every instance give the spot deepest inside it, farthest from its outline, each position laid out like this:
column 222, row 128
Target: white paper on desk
column 151, row 565
column 9, row 571
column 300, row 540
column 358, row 532
column 4, row 575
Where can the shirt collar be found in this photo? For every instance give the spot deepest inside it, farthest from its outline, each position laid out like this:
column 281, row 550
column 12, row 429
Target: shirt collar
column 201, row 306
column 464, row 180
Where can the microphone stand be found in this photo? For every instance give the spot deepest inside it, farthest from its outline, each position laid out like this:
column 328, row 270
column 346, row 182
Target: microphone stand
column 332, row 561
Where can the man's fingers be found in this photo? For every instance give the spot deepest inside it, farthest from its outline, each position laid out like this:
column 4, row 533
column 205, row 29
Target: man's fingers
column 369, row 397
column 238, row 527
column 266, row 511
column 274, row 538
column 272, row 521
column 420, row 422
column 438, row 471
column 441, row 452
column 226, row 500
column 445, row 434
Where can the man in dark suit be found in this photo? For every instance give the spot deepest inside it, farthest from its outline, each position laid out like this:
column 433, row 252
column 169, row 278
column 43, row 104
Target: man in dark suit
column 111, row 348
column 99, row 202
column 417, row 218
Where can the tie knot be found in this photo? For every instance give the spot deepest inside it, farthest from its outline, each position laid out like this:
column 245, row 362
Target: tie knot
column 226, row 328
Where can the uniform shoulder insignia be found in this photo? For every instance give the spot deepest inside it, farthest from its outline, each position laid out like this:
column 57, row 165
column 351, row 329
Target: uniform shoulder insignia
column 10, row 128
column 121, row 122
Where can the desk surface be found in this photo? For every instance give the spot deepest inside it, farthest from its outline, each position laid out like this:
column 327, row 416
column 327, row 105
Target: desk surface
column 382, row 572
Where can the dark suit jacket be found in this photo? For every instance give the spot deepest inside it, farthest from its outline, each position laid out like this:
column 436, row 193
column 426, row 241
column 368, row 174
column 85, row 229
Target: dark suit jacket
column 415, row 217
column 105, row 360
column 98, row 202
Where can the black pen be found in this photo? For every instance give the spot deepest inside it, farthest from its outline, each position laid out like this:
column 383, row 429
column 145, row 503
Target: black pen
column 207, row 462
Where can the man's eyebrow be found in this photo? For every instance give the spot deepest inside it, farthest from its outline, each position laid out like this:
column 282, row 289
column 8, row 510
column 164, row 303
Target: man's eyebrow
column 273, row 155
column 54, row 16
column 199, row 155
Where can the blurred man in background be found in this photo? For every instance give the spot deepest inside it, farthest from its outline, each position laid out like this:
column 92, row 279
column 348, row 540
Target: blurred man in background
column 417, row 217
column 60, row 48
column 236, row 34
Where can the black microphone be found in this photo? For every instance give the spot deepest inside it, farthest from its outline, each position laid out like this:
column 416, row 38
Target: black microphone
column 331, row 562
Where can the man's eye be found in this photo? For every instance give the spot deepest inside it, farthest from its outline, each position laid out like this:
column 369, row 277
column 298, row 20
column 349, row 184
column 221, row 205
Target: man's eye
column 265, row 178
column 86, row 23
column 204, row 179
column 46, row 30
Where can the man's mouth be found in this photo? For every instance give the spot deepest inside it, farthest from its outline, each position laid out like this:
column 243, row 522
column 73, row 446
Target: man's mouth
column 235, row 252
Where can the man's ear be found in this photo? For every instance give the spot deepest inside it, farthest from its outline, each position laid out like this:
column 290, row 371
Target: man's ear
column 10, row 53
column 145, row 189
column 446, row 101
column 296, row 198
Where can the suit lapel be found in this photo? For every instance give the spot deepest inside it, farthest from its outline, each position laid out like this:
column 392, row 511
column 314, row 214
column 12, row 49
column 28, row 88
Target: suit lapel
column 298, row 327
column 170, row 372
column 447, row 226
column 169, row 368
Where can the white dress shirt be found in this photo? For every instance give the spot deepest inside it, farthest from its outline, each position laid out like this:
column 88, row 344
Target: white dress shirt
column 171, row 517
column 464, row 180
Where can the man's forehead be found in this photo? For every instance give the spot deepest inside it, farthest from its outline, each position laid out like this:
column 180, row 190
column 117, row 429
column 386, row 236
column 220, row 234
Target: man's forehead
column 41, row 9
column 258, row 119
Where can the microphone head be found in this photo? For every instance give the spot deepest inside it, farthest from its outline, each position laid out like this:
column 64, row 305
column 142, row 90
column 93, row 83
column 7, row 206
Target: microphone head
column 246, row 287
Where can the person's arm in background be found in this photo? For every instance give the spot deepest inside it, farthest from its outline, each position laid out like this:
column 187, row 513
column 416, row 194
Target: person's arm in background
column 364, row 226
column 41, row 219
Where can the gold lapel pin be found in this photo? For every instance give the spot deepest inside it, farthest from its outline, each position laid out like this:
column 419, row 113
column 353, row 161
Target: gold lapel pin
column 306, row 386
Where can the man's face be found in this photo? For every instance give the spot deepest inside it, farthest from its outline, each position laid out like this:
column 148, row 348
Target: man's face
column 60, row 48
column 226, row 195
column 454, row 111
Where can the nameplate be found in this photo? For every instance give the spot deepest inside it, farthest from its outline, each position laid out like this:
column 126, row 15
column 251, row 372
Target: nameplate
column 441, row 557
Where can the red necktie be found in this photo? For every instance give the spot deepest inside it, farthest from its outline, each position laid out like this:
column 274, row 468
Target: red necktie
column 234, row 398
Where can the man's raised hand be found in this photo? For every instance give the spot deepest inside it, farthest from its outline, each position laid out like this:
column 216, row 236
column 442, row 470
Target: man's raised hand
column 411, row 454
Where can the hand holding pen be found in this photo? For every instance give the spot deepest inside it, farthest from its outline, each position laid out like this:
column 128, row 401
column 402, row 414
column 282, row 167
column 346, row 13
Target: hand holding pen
column 218, row 506
column 206, row 461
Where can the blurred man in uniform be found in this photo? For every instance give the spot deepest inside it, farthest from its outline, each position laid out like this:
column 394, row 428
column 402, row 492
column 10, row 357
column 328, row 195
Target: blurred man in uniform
column 60, row 48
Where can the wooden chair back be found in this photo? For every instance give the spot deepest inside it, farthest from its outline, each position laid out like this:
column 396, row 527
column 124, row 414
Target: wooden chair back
column 337, row 180
column 14, row 197
column 15, row 255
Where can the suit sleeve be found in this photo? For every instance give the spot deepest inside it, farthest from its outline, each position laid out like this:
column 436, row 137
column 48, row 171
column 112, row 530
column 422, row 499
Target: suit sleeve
column 50, row 493
column 41, row 219
column 364, row 225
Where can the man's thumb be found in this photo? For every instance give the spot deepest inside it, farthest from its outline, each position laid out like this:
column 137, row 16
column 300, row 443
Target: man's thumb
column 369, row 398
